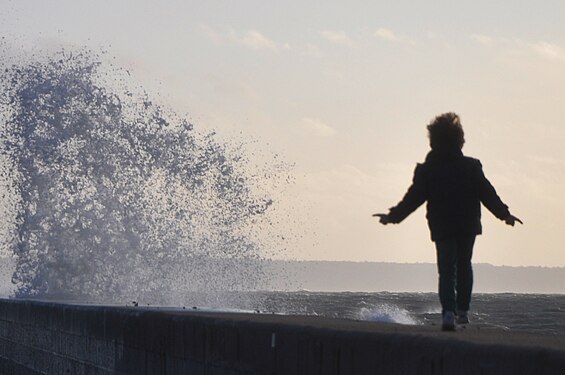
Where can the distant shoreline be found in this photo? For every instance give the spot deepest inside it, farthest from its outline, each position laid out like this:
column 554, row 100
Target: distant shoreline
column 350, row 276
column 343, row 276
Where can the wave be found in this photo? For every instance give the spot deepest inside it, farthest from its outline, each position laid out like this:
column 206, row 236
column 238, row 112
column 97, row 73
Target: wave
column 386, row 313
column 117, row 198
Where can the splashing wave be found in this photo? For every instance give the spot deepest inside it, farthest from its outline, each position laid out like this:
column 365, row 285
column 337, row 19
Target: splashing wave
column 116, row 198
column 386, row 313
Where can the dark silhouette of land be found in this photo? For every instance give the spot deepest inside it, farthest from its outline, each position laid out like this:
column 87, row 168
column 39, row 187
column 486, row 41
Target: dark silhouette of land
column 333, row 276
column 409, row 277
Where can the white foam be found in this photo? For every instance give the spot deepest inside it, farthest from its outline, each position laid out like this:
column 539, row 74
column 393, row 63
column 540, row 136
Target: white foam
column 433, row 310
column 386, row 313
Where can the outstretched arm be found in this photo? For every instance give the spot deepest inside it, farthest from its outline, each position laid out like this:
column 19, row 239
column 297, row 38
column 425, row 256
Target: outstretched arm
column 414, row 197
column 491, row 200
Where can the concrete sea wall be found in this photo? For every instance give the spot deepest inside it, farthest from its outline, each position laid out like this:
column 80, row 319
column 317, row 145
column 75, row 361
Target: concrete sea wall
column 55, row 338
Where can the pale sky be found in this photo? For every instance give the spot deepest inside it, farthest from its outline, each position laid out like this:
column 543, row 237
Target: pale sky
column 344, row 90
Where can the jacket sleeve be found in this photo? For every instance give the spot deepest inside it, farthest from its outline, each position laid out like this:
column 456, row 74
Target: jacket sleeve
column 414, row 197
column 488, row 196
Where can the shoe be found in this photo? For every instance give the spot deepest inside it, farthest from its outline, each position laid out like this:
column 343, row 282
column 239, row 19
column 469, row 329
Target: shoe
column 462, row 317
column 448, row 321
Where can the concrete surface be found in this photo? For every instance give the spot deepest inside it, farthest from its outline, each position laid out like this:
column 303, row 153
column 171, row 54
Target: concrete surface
column 57, row 338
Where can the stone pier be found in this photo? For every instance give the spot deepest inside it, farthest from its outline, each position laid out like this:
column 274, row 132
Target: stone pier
column 60, row 338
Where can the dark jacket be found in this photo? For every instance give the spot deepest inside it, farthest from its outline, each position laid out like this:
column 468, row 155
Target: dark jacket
column 454, row 187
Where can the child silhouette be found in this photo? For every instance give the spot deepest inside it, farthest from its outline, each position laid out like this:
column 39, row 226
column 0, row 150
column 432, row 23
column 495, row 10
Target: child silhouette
column 454, row 186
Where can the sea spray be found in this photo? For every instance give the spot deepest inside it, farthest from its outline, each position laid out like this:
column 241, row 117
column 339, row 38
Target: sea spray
column 385, row 313
column 115, row 198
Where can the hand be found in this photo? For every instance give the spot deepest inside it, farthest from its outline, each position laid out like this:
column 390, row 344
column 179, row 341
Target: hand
column 511, row 220
column 383, row 218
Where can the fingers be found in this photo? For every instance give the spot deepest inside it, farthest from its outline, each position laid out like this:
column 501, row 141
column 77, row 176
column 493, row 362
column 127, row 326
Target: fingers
column 518, row 220
column 511, row 220
column 383, row 218
column 514, row 219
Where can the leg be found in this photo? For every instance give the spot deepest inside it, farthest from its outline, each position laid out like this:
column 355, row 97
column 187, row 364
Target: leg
column 446, row 263
column 464, row 272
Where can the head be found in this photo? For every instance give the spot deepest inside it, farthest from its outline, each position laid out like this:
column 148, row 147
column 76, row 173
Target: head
column 446, row 132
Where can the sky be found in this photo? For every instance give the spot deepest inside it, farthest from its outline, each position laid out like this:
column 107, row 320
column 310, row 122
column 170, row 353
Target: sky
column 343, row 91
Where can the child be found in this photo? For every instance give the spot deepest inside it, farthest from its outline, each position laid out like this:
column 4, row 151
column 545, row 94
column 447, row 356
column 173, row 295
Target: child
column 454, row 186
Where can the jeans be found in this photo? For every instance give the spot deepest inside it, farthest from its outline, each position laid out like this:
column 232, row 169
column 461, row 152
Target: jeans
column 455, row 272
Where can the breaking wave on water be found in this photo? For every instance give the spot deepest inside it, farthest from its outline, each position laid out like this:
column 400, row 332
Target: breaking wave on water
column 110, row 197
column 387, row 313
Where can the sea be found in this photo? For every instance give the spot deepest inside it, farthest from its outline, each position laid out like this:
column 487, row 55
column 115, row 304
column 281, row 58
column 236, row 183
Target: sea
column 533, row 313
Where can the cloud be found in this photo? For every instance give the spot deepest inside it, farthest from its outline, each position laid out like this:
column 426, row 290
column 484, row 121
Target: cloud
column 485, row 40
column 386, row 34
column 390, row 36
column 336, row 37
column 254, row 39
column 317, row 128
column 546, row 50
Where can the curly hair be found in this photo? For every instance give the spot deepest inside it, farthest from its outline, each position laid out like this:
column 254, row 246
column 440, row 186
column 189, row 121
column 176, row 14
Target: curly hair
column 446, row 132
